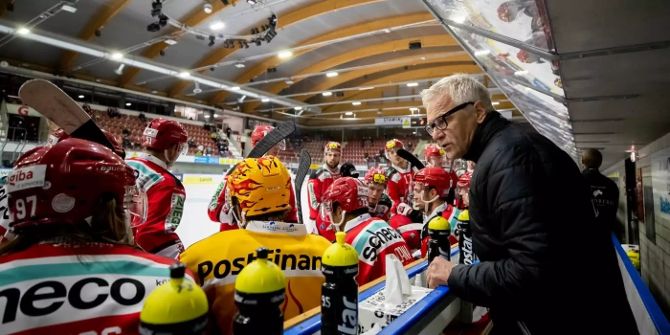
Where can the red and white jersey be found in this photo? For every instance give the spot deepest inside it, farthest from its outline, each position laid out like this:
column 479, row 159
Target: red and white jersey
column 219, row 210
column 398, row 186
column 94, row 288
column 165, row 198
column 318, row 183
column 373, row 239
column 448, row 212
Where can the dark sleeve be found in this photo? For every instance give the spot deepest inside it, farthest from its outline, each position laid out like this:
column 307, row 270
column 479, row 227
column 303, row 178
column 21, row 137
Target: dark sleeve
column 516, row 197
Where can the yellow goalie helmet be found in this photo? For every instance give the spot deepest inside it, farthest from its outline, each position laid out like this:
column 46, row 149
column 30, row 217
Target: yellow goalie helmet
column 260, row 186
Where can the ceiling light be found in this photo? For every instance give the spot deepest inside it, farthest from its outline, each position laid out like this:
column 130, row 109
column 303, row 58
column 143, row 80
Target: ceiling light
column 81, row 96
column 365, row 88
column 184, row 74
column 414, row 84
column 239, row 65
column 414, row 109
column 298, row 108
column 265, row 100
column 327, row 93
column 154, row 92
column 482, row 52
column 495, row 103
column 235, row 88
column 119, row 70
column 217, row 115
column 116, row 56
column 206, row 116
column 349, row 113
column 459, row 19
column 197, row 88
column 388, row 31
column 217, row 25
column 284, row 54
column 23, row 31
column 331, row 74
column 69, row 8
column 289, row 82
column 207, row 8
column 521, row 73
column 170, row 41
column 252, row 2
column 356, row 103
column 128, row 104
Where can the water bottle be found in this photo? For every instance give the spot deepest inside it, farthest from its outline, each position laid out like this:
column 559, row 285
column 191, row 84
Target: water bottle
column 177, row 307
column 259, row 294
column 439, row 230
column 465, row 238
column 339, row 293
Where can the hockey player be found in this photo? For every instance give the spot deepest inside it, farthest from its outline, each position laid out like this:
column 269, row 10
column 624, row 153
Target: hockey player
column 56, row 136
column 400, row 175
column 434, row 155
column 463, row 189
column 346, row 202
column 320, row 180
column 379, row 203
column 219, row 210
column 431, row 189
column 164, row 141
column 259, row 191
column 72, row 268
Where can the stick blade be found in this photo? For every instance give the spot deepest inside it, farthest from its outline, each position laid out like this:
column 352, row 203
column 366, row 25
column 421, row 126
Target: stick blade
column 301, row 175
column 278, row 134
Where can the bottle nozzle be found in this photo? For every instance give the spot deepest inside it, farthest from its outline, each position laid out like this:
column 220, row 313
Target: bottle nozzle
column 262, row 253
column 177, row 270
column 340, row 236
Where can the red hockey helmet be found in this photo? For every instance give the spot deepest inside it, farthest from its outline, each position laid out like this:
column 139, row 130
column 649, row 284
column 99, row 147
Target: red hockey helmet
column 410, row 232
column 332, row 146
column 433, row 150
column 349, row 193
column 60, row 134
column 376, row 175
column 63, row 183
column 464, row 180
column 259, row 132
column 435, row 177
column 160, row 134
column 394, row 144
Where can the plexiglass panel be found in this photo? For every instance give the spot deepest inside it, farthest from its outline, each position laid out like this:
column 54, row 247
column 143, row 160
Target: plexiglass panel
column 517, row 19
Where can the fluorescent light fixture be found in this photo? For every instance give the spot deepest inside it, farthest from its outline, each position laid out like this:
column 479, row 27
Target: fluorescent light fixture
column 23, row 31
column 495, row 103
column 239, row 65
column 184, row 74
column 170, row 41
column 128, row 104
column 298, row 108
column 413, row 84
column 521, row 73
column 116, row 56
column 482, row 52
column 235, row 88
column 265, row 100
column 349, row 113
column 81, row 96
column 365, row 88
column 332, row 74
column 69, row 8
column 284, row 54
column 356, row 103
column 327, row 93
column 217, row 25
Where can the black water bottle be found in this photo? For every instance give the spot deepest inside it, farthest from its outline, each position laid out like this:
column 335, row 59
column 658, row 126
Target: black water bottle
column 439, row 230
column 259, row 294
column 465, row 238
column 339, row 293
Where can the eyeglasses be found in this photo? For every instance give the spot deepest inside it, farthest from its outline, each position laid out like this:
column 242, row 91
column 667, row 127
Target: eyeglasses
column 441, row 122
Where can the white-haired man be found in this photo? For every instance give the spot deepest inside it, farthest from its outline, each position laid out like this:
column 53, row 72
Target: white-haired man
column 522, row 196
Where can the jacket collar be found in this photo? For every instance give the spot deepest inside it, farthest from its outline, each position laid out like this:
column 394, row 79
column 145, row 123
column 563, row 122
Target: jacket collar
column 155, row 160
column 271, row 227
column 353, row 223
column 492, row 124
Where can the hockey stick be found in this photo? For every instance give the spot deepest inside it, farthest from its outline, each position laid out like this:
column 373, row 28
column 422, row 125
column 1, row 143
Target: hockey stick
column 50, row 101
column 273, row 138
column 413, row 160
column 303, row 170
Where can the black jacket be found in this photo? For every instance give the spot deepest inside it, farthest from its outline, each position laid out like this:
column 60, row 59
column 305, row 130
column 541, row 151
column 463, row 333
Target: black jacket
column 605, row 197
column 544, row 262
